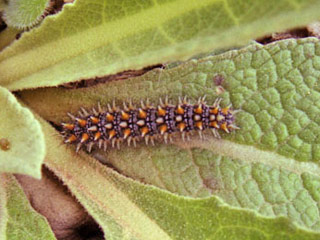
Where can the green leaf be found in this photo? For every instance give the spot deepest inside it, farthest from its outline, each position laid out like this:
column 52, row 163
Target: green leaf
column 277, row 88
column 3, row 212
column 18, row 220
column 24, row 13
column 7, row 36
column 22, row 147
column 130, row 210
column 117, row 36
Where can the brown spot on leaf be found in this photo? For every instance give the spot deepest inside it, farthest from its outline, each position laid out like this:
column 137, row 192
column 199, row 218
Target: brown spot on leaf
column 4, row 144
column 218, row 79
column 211, row 183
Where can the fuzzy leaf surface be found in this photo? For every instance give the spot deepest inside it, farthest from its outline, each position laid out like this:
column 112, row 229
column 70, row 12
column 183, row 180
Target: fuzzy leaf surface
column 18, row 220
column 126, row 209
column 22, row 14
column 270, row 165
column 22, row 147
column 96, row 38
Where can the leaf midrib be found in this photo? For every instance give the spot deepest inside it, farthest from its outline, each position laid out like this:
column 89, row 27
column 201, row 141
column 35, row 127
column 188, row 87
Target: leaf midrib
column 119, row 29
column 251, row 154
column 116, row 203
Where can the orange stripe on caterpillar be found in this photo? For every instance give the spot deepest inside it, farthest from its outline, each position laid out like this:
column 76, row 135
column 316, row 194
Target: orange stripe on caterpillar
column 114, row 125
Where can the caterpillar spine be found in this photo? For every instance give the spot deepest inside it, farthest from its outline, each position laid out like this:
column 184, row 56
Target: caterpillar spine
column 112, row 126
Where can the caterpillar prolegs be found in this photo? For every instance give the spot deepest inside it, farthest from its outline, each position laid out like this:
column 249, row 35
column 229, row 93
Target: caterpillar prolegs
column 111, row 126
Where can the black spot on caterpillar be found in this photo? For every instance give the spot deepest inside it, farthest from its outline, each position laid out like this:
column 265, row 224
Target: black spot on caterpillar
column 113, row 125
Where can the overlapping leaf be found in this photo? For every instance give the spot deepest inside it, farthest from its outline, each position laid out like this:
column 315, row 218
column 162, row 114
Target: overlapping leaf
column 127, row 209
column 270, row 165
column 96, row 38
column 24, row 13
column 22, row 149
column 18, row 220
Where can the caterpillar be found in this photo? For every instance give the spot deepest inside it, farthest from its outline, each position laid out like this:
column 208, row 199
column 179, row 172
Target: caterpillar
column 113, row 125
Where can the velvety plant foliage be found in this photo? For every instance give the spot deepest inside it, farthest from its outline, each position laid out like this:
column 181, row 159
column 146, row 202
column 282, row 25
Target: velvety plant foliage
column 259, row 182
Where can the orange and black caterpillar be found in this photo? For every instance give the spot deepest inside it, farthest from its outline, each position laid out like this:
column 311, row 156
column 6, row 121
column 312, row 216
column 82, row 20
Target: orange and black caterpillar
column 113, row 125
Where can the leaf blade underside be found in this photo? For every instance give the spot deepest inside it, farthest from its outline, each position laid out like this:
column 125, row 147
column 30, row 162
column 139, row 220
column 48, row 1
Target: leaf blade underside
column 24, row 13
column 128, row 209
column 22, row 147
column 243, row 168
column 118, row 36
column 19, row 214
